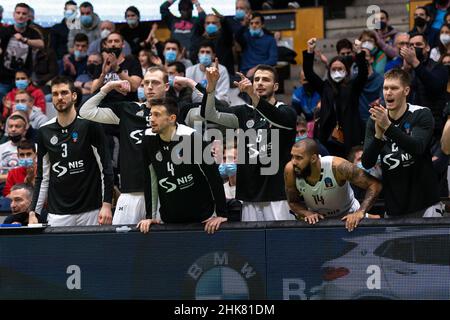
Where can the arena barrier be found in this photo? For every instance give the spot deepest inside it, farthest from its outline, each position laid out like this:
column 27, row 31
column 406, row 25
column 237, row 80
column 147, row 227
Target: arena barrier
column 406, row 259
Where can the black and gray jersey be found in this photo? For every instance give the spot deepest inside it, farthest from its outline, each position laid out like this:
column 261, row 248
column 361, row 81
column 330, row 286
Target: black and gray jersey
column 78, row 175
column 188, row 192
column 410, row 183
column 133, row 118
column 268, row 136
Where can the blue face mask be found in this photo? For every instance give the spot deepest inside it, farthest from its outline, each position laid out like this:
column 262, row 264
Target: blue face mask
column 80, row 54
column 256, row 32
column 227, row 169
column 171, row 79
column 211, row 28
column 26, row 162
column 21, row 107
column 20, row 25
column 240, row 14
column 300, row 138
column 170, row 56
column 21, row 84
column 141, row 93
column 86, row 20
column 205, row 59
column 70, row 14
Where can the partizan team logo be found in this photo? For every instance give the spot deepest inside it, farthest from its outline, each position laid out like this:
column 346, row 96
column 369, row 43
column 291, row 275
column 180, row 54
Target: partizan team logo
column 222, row 275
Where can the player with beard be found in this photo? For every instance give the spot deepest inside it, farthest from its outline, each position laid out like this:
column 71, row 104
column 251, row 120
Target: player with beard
column 74, row 172
column 262, row 193
column 324, row 184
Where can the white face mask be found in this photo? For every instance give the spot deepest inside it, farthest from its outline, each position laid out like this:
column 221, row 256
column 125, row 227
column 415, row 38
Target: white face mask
column 104, row 33
column 338, row 76
column 445, row 38
column 368, row 45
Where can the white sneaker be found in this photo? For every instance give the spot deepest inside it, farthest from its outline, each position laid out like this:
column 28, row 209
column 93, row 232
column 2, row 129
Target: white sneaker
column 266, row 6
column 293, row 5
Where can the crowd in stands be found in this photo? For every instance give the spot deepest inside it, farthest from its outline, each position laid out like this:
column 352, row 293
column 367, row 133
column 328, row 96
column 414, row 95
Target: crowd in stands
column 382, row 105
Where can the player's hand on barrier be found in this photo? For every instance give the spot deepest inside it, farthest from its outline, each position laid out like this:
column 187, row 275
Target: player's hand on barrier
column 352, row 220
column 212, row 224
column 314, row 218
column 144, row 225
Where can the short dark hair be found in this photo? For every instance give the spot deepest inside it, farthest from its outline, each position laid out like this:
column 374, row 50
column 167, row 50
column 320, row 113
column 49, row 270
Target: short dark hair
column 18, row 116
column 266, row 67
column 352, row 154
column 30, row 96
column 399, row 74
column 70, row 2
column 207, row 44
column 172, row 40
column 385, row 13
column 311, row 146
column 22, row 5
column 25, row 186
column 134, row 10
column 115, row 32
column 343, row 44
column 81, row 37
column 26, row 71
column 256, row 15
column 26, row 144
column 63, row 80
column 169, row 103
column 416, row 34
column 185, row 5
column 427, row 12
column 87, row 4
column 162, row 69
column 179, row 66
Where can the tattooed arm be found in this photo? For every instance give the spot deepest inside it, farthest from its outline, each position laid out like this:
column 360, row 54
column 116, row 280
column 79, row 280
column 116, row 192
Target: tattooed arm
column 346, row 171
column 294, row 199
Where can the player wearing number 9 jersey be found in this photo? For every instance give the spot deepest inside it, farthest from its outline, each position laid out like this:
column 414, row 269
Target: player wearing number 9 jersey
column 74, row 170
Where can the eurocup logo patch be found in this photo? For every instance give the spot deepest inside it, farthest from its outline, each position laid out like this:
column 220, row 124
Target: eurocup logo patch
column 222, row 275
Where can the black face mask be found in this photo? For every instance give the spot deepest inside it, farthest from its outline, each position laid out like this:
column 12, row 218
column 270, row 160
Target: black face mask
column 382, row 25
column 116, row 51
column 419, row 54
column 94, row 70
column 420, row 22
column 15, row 139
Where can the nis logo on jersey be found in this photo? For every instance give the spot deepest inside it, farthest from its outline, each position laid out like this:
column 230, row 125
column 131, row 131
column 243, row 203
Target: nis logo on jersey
column 181, row 183
column 73, row 167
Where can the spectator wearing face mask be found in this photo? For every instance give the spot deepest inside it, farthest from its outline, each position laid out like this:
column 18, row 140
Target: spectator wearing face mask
column 182, row 94
column 241, row 17
column 106, row 27
column 26, row 171
column 227, row 170
column 216, row 30
column 303, row 133
column 24, row 102
column 401, row 41
column 339, row 126
column 134, row 32
column 206, row 56
column 59, row 33
column 23, row 82
column 173, row 51
column 182, row 29
column 445, row 61
column 368, row 40
column 429, row 79
column 443, row 44
column 258, row 46
column 422, row 24
column 89, row 25
column 93, row 70
column 75, row 64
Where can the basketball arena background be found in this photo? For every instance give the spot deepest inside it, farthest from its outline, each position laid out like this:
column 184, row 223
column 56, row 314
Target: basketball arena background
column 407, row 259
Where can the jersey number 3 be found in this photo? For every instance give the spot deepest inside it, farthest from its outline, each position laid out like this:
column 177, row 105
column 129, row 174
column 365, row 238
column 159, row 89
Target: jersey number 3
column 64, row 150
